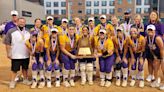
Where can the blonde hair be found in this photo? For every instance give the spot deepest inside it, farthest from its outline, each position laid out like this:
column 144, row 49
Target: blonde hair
column 138, row 16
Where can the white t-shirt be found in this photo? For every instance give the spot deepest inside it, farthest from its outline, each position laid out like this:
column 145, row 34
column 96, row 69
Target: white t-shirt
column 16, row 39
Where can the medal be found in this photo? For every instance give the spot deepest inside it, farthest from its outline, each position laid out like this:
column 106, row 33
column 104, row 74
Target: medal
column 151, row 45
column 121, row 44
column 33, row 45
column 22, row 33
column 71, row 42
column 53, row 43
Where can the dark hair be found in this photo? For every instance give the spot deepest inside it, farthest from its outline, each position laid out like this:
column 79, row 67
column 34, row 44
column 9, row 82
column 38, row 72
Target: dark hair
column 85, row 26
column 21, row 18
column 37, row 19
column 157, row 20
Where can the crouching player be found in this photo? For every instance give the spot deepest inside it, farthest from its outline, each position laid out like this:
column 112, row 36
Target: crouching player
column 137, row 48
column 86, row 64
column 121, row 48
column 53, row 62
column 154, row 53
column 104, row 50
column 68, row 46
column 35, row 46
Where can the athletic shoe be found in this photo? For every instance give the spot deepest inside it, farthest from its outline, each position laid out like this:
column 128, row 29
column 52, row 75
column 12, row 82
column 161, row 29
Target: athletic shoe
column 57, row 84
column 12, row 84
column 161, row 87
column 132, row 83
column 34, row 84
column 27, row 82
column 41, row 84
column 102, row 83
column 108, row 83
column 66, row 84
column 154, row 84
column 141, row 84
column 72, row 83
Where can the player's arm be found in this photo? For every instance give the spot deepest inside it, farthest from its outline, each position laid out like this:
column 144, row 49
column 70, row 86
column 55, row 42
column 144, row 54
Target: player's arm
column 159, row 43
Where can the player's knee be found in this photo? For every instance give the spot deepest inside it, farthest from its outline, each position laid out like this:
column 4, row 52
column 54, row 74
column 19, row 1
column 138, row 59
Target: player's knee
column 118, row 66
column 82, row 67
column 89, row 67
column 34, row 66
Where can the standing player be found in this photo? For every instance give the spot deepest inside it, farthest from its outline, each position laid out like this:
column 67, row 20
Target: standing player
column 121, row 47
column 86, row 64
column 154, row 52
column 63, row 28
column 53, row 55
column 104, row 50
column 35, row 45
column 46, row 32
column 104, row 25
column 137, row 48
column 68, row 46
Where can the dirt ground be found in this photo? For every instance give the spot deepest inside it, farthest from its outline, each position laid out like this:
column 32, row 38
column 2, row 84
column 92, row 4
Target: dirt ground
column 5, row 77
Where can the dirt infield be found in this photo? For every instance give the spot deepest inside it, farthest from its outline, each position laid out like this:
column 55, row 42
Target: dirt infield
column 5, row 77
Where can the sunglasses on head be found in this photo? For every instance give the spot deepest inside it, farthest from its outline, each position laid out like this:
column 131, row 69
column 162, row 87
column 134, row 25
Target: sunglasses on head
column 64, row 21
column 49, row 19
column 150, row 30
column 101, row 33
column 90, row 20
column 102, row 18
column 54, row 32
column 118, row 30
column 14, row 15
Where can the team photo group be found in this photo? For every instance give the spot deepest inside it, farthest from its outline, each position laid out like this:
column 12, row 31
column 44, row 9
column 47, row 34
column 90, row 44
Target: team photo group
column 56, row 55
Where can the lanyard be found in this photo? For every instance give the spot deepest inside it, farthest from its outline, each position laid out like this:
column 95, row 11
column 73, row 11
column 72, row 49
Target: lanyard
column 135, row 43
column 91, row 31
column 121, row 44
column 64, row 31
column 71, row 41
column 102, row 44
column 53, row 43
column 151, row 42
column 33, row 45
column 103, row 26
column 49, row 29
column 22, row 33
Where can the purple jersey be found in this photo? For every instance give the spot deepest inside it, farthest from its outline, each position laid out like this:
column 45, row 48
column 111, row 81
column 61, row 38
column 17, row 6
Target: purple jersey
column 8, row 26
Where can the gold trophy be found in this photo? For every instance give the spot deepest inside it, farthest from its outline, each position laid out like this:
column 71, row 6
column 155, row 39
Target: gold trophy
column 85, row 49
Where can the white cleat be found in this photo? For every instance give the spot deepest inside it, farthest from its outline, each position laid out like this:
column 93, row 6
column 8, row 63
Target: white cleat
column 161, row 87
column 102, row 83
column 118, row 82
column 49, row 84
column 141, row 84
column 90, row 82
column 132, row 83
column 34, row 84
column 66, row 84
column 41, row 85
column 124, row 83
column 12, row 84
column 57, row 84
column 72, row 83
column 108, row 83
column 27, row 82
column 154, row 84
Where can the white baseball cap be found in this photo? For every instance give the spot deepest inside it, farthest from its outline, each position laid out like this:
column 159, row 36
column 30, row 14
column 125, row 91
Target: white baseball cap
column 119, row 28
column 151, row 27
column 102, row 30
column 64, row 19
column 103, row 16
column 50, row 17
column 14, row 12
column 54, row 30
column 91, row 19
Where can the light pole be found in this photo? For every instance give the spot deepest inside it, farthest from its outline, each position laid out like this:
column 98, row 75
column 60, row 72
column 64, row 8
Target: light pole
column 15, row 6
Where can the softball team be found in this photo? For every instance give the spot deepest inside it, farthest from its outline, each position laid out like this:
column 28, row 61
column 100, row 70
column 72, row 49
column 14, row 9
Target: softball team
column 120, row 47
